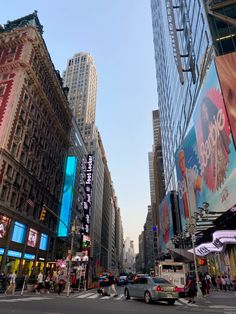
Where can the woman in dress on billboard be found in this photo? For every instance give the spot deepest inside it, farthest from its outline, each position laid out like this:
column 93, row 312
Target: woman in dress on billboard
column 213, row 138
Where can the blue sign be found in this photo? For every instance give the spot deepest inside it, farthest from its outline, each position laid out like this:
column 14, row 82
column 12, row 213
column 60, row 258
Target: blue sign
column 67, row 197
column 18, row 234
column 1, row 251
column 14, row 253
column 29, row 256
column 43, row 242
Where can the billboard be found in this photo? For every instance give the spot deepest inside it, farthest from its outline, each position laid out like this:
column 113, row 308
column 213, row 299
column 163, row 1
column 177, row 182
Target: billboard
column 67, row 197
column 215, row 146
column 189, row 177
column 166, row 223
column 32, row 237
column 226, row 67
column 209, row 152
column 4, row 225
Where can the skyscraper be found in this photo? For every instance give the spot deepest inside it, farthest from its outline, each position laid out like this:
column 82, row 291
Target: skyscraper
column 80, row 77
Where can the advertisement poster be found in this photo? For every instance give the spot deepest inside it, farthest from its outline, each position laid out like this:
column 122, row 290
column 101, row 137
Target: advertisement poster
column 166, row 223
column 32, row 238
column 226, row 68
column 189, row 177
column 215, row 146
column 4, row 224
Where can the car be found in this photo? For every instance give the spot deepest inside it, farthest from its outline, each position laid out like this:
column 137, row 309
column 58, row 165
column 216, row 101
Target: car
column 122, row 281
column 152, row 289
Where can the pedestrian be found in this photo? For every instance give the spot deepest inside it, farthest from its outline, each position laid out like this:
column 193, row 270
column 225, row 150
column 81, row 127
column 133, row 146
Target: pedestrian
column 61, row 282
column 223, row 282
column 191, row 289
column 228, row 282
column 214, row 284
column 48, row 282
column 12, row 283
column 40, row 283
column 112, row 284
column 208, row 283
column 219, row 282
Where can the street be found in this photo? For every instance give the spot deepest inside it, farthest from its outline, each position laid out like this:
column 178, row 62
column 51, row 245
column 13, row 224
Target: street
column 90, row 302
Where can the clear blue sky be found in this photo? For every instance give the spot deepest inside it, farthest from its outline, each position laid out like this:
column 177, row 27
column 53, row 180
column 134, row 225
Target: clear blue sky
column 118, row 34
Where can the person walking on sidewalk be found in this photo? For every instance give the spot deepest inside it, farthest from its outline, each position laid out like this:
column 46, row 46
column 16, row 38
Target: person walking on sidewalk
column 228, row 282
column 40, row 283
column 48, row 282
column 191, row 289
column 12, row 285
column 223, row 282
column 219, row 282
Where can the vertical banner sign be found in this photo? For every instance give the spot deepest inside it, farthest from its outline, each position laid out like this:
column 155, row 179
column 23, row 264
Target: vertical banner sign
column 85, row 230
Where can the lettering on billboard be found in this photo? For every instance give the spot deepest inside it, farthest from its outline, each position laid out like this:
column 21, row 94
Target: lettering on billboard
column 220, row 239
column 85, row 230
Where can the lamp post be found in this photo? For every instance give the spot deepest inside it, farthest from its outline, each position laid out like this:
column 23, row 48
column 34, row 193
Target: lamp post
column 192, row 228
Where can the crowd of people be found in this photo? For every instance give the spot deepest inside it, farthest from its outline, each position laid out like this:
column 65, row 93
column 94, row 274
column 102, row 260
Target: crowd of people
column 207, row 284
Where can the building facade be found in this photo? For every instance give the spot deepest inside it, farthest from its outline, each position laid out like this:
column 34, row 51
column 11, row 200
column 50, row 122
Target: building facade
column 80, row 77
column 35, row 123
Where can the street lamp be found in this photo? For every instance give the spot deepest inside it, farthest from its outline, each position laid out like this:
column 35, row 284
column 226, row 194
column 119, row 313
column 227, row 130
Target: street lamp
column 192, row 230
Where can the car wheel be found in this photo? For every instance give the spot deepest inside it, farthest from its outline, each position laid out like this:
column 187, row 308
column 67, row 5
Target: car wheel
column 171, row 302
column 147, row 297
column 127, row 296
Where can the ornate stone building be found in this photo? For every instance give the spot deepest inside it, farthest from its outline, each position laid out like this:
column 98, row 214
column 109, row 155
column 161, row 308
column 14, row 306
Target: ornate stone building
column 35, row 121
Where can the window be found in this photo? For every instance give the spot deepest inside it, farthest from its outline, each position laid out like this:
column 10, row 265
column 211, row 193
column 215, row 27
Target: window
column 9, row 171
column 4, row 192
column 143, row 281
column 18, row 234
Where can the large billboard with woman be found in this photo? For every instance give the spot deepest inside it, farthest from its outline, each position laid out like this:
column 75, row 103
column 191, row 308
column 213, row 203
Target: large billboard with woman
column 208, row 152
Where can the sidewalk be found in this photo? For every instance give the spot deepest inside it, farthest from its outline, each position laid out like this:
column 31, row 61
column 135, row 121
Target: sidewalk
column 226, row 298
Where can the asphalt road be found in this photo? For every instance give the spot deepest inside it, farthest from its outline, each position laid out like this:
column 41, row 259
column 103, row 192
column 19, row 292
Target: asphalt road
column 91, row 303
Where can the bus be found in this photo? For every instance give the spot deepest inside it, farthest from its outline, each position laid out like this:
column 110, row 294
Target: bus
column 174, row 272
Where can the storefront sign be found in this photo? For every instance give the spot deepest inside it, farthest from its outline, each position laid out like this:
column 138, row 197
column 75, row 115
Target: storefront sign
column 220, row 238
column 85, row 230
column 29, row 256
column 14, row 253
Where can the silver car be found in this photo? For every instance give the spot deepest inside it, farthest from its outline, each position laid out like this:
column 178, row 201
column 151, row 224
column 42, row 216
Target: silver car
column 152, row 289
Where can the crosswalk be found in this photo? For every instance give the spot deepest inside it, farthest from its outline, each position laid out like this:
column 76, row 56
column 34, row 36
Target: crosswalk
column 14, row 300
column 121, row 297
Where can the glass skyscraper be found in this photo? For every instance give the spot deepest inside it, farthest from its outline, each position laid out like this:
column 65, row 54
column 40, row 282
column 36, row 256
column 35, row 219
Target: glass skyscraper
column 186, row 35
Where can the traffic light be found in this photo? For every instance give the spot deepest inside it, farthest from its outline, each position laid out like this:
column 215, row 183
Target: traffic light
column 43, row 214
column 201, row 261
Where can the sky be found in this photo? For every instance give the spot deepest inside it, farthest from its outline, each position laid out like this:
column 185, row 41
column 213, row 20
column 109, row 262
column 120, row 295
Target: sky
column 118, row 34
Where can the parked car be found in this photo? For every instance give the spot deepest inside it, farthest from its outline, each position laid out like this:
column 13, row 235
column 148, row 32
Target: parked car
column 152, row 289
column 122, row 281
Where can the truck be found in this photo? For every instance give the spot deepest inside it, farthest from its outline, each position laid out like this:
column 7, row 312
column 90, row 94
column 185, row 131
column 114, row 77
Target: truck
column 174, row 272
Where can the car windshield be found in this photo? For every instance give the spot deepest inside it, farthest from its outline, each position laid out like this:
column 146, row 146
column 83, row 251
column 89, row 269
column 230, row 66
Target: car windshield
column 160, row 280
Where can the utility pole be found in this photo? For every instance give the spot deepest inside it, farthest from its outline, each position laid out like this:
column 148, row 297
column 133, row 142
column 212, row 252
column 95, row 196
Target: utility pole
column 73, row 229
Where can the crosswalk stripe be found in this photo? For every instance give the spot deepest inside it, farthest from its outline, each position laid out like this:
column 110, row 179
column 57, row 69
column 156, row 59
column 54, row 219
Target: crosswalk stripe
column 82, row 296
column 178, row 303
column 106, row 297
column 94, row 296
column 119, row 297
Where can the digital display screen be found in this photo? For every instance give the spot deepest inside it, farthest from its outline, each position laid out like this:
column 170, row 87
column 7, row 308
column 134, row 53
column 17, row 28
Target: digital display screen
column 32, row 238
column 14, row 253
column 18, row 234
column 1, row 251
column 43, row 242
column 4, row 224
column 29, row 256
column 67, row 196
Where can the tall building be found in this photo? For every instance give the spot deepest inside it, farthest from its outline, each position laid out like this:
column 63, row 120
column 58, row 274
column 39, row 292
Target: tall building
column 183, row 47
column 149, row 258
column 80, row 77
column 129, row 256
column 35, row 121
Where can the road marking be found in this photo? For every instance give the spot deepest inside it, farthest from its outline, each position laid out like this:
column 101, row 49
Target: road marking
column 26, row 299
column 106, row 297
column 225, row 307
column 178, row 303
column 84, row 295
column 94, row 296
column 119, row 297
